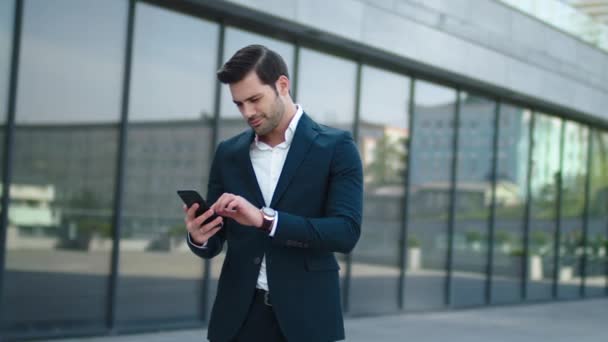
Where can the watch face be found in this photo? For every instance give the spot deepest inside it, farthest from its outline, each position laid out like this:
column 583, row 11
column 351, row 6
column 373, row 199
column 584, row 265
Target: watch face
column 268, row 212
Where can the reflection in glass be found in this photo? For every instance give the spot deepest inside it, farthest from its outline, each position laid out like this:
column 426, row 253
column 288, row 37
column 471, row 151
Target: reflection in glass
column 333, row 107
column 6, row 34
column 383, row 134
column 574, row 176
column 231, row 121
column 6, row 43
column 429, row 195
column 62, row 194
column 509, row 217
column 544, row 186
column 472, row 201
column 329, row 102
column 169, row 137
column 596, row 270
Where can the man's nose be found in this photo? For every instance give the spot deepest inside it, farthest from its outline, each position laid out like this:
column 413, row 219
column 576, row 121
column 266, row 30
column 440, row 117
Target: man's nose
column 248, row 110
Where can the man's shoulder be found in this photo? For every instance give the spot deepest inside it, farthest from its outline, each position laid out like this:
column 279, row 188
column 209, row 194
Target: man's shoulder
column 244, row 137
column 331, row 132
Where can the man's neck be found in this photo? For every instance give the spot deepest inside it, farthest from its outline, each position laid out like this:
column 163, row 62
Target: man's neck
column 277, row 136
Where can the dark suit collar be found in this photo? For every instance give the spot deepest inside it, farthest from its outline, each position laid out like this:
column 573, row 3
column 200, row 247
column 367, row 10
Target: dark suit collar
column 306, row 132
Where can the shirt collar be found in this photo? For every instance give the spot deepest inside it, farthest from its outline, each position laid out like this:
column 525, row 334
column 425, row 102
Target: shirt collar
column 289, row 132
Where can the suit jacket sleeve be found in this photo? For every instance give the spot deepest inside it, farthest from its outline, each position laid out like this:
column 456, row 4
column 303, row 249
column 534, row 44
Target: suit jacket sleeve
column 215, row 189
column 340, row 228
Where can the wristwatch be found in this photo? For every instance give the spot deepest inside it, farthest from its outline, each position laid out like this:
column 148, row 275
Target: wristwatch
column 268, row 215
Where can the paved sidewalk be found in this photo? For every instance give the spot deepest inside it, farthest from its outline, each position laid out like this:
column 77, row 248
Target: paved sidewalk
column 580, row 321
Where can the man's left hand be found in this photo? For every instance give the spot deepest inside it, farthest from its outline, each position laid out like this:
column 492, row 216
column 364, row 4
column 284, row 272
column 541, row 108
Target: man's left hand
column 238, row 209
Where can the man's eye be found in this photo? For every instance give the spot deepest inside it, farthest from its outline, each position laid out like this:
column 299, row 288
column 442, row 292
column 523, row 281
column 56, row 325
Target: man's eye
column 254, row 100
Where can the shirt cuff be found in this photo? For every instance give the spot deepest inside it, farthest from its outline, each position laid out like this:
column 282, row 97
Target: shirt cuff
column 204, row 246
column 274, row 225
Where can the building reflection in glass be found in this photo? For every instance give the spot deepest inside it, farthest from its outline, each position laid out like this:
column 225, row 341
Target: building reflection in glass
column 429, row 195
column 573, row 178
column 510, row 200
column 169, row 145
column 383, row 134
column 544, row 187
column 472, row 200
column 596, row 279
column 64, row 168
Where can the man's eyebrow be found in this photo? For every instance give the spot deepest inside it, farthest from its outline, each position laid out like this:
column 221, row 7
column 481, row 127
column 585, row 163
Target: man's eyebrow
column 247, row 99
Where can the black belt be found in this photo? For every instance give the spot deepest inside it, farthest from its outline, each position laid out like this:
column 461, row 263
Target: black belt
column 264, row 295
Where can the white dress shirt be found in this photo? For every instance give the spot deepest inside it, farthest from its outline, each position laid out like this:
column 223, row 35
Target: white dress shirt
column 268, row 164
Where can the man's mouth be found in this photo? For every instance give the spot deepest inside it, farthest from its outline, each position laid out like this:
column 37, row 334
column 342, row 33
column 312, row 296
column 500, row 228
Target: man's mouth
column 255, row 122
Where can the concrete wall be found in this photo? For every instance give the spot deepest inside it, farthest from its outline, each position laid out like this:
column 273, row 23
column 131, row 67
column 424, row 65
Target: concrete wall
column 482, row 39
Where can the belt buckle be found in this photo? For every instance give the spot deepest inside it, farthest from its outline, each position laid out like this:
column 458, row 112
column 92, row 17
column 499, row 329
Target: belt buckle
column 266, row 299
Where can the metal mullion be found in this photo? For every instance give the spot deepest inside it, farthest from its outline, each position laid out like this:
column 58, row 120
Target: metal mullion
column 406, row 185
column 349, row 257
column 294, row 73
column 9, row 140
column 206, row 280
column 452, row 208
column 120, row 171
column 492, row 216
column 558, row 215
column 583, row 262
column 526, row 242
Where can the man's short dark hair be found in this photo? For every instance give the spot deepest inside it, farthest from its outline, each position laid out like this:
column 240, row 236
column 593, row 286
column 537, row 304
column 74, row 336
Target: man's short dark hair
column 268, row 65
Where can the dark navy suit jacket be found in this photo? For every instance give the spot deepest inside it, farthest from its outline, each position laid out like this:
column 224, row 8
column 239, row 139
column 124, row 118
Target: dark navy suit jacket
column 319, row 202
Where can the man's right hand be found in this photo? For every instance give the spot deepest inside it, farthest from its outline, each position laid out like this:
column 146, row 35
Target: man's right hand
column 200, row 233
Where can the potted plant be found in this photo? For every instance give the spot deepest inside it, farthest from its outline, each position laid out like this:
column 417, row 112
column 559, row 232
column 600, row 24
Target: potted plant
column 473, row 238
column 539, row 242
column 414, row 254
column 504, row 240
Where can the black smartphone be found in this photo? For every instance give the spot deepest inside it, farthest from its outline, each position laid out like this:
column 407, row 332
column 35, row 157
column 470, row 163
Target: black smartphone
column 190, row 197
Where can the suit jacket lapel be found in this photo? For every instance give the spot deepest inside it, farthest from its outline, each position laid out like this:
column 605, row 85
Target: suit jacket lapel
column 250, row 188
column 301, row 143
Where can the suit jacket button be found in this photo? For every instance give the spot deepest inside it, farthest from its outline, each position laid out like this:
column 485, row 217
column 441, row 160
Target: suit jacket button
column 257, row 260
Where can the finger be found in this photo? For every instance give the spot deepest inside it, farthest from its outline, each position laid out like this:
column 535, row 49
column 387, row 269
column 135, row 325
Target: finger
column 192, row 211
column 206, row 215
column 223, row 202
column 216, row 222
column 210, row 233
column 233, row 205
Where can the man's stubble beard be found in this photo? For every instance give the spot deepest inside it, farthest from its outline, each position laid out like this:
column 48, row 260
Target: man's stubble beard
column 273, row 120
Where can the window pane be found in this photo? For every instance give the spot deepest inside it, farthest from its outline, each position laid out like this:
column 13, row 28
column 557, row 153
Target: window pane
column 331, row 103
column 7, row 12
column 473, row 198
column 65, row 162
column 169, row 146
column 429, row 195
column 382, row 141
column 574, row 176
column 597, row 279
column 334, row 107
column 511, row 186
column 543, row 192
column 231, row 121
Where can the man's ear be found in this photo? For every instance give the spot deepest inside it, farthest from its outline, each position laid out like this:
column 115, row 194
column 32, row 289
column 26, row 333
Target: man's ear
column 282, row 85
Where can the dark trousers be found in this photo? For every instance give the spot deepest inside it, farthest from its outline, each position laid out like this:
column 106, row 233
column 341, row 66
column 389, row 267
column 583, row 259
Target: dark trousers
column 261, row 323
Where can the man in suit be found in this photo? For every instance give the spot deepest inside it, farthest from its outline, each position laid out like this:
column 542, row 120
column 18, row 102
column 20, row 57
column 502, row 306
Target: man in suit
column 288, row 194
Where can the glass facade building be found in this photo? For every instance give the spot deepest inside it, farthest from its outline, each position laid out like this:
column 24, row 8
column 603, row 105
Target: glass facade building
column 473, row 195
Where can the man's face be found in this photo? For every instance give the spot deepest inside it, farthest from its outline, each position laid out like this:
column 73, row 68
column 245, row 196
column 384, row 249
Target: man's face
column 259, row 103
